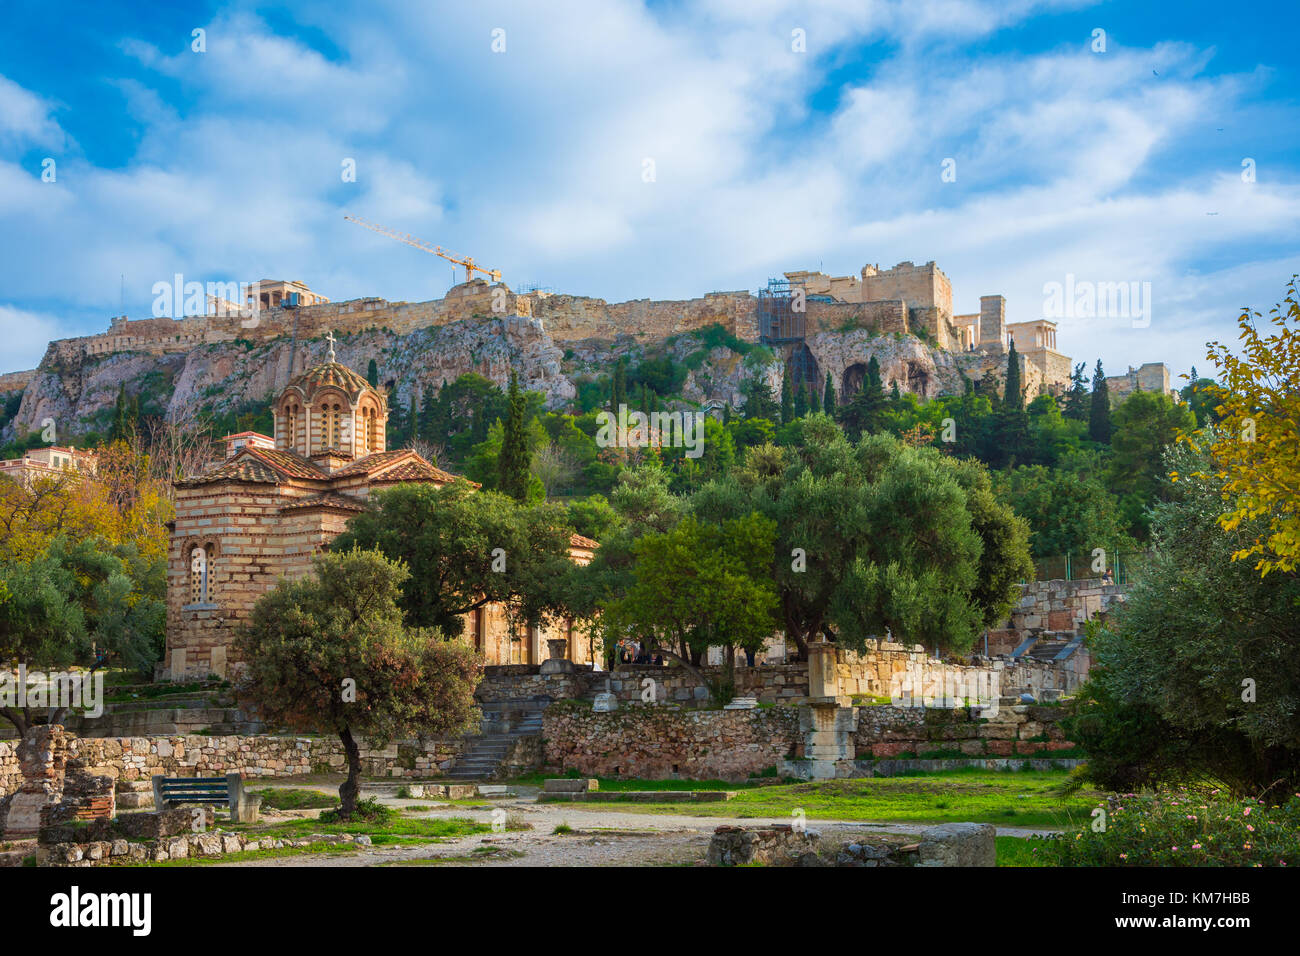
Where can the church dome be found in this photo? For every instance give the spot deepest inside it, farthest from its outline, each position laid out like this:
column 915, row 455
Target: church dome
column 330, row 374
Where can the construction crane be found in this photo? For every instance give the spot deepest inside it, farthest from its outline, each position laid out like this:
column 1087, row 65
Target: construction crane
column 463, row 261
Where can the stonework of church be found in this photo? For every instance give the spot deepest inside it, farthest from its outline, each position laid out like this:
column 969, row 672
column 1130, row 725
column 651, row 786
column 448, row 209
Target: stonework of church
column 264, row 512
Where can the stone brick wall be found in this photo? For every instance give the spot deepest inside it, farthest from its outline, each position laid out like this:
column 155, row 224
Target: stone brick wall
column 640, row 740
column 1054, row 606
column 10, row 775
column 139, row 758
column 659, row 742
column 895, row 670
column 886, row 731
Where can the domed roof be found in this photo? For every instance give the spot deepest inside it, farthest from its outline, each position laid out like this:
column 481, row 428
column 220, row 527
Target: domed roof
column 330, row 373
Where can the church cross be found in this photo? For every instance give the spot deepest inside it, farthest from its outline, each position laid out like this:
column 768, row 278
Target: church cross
column 329, row 337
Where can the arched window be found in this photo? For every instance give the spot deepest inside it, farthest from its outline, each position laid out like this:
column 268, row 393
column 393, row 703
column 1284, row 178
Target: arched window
column 370, row 421
column 291, row 425
column 202, row 566
column 332, row 425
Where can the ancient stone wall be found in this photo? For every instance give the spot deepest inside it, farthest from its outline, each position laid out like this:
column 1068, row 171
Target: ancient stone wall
column 1055, row 606
column 138, row 758
column 887, row 731
column 16, row 381
column 657, row 742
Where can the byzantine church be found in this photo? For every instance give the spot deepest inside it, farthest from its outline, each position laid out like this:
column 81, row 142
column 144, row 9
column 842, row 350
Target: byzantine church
column 273, row 503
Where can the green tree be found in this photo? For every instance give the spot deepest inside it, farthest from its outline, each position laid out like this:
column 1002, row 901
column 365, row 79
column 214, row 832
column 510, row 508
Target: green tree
column 329, row 652
column 1067, row 513
column 828, row 397
column 801, row 400
column 866, row 411
column 372, row 374
column 619, row 396
column 787, row 399
column 1143, row 426
column 1196, row 678
column 698, row 586
column 1012, row 422
column 515, row 460
column 466, row 549
column 1099, row 413
column 880, row 515
column 1076, row 399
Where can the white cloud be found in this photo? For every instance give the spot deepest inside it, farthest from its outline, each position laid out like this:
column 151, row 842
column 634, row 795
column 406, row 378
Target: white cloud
column 531, row 161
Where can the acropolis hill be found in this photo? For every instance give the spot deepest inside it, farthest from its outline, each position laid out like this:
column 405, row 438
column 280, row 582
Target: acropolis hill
column 812, row 321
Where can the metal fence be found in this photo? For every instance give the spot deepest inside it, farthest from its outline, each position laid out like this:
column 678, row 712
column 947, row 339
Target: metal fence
column 1123, row 565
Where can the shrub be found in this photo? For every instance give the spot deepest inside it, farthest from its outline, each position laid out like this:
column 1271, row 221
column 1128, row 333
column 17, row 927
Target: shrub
column 369, row 810
column 1186, row 828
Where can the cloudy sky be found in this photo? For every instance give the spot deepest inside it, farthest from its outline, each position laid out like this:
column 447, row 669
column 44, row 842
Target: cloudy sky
column 625, row 150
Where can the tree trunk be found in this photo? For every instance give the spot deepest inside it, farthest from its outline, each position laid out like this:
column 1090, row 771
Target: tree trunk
column 16, row 717
column 352, row 786
column 689, row 667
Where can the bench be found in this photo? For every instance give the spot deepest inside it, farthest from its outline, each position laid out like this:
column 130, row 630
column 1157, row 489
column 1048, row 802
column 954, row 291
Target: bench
column 169, row 792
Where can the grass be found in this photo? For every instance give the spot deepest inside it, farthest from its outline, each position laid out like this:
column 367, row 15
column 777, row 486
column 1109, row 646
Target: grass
column 293, row 798
column 393, row 829
column 636, row 783
column 1024, row 798
column 1017, row 851
column 479, row 854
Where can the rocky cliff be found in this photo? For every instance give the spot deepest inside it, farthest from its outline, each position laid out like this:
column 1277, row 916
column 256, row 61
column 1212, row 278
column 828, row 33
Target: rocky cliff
column 78, row 391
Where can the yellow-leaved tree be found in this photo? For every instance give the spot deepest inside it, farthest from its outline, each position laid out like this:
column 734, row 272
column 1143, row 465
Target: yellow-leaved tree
column 1256, row 450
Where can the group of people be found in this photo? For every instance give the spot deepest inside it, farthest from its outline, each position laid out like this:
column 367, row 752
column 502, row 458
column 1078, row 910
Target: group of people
column 630, row 651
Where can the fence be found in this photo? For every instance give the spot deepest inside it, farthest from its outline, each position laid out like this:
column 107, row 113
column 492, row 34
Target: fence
column 1124, row 565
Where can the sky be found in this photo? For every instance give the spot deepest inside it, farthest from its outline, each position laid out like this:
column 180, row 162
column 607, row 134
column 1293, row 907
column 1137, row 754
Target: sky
column 655, row 150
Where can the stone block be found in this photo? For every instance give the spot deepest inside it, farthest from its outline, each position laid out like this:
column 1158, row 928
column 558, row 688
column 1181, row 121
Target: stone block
column 958, row 844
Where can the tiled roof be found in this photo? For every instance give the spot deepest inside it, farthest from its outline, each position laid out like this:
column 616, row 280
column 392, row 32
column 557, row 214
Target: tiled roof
column 289, row 463
column 364, row 466
column 328, row 500
column 330, row 373
column 264, row 465
column 578, row 541
column 242, row 467
column 400, row 464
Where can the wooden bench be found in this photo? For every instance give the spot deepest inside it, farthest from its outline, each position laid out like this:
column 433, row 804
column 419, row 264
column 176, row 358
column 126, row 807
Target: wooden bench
column 169, row 792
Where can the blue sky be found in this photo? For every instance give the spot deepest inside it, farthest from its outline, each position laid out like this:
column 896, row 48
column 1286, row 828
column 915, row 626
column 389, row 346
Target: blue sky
column 1122, row 165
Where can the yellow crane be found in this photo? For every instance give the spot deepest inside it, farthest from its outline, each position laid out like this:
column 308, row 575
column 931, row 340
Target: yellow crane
column 464, row 261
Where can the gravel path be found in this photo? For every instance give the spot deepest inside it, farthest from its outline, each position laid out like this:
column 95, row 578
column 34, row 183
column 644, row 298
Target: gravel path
column 601, row 838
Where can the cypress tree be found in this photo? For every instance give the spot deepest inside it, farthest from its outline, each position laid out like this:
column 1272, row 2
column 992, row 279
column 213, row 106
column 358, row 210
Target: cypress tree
column 1013, row 393
column 513, row 463
column 429, row 418
column 1012, row 421
column 801, row 400
column 814, row 399
column 787, row 400
column 372, row 374
column 828, row 400
column 1076, row 399
column 1099, row 414
column 619, row 396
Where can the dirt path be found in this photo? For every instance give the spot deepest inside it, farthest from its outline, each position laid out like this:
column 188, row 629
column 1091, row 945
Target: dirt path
column 601, row 838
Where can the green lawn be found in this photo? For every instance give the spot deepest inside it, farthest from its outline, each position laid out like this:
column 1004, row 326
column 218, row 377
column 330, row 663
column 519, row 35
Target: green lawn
column 297, row 798
column 398, row 828
column 1026, row 798
column 635, row 783
column 1017, row 851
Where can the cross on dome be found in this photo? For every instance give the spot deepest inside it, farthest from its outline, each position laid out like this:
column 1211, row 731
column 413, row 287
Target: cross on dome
column 329, row 337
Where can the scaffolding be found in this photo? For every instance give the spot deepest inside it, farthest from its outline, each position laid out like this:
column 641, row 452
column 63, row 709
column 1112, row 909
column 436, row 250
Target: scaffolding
column 781, row 323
